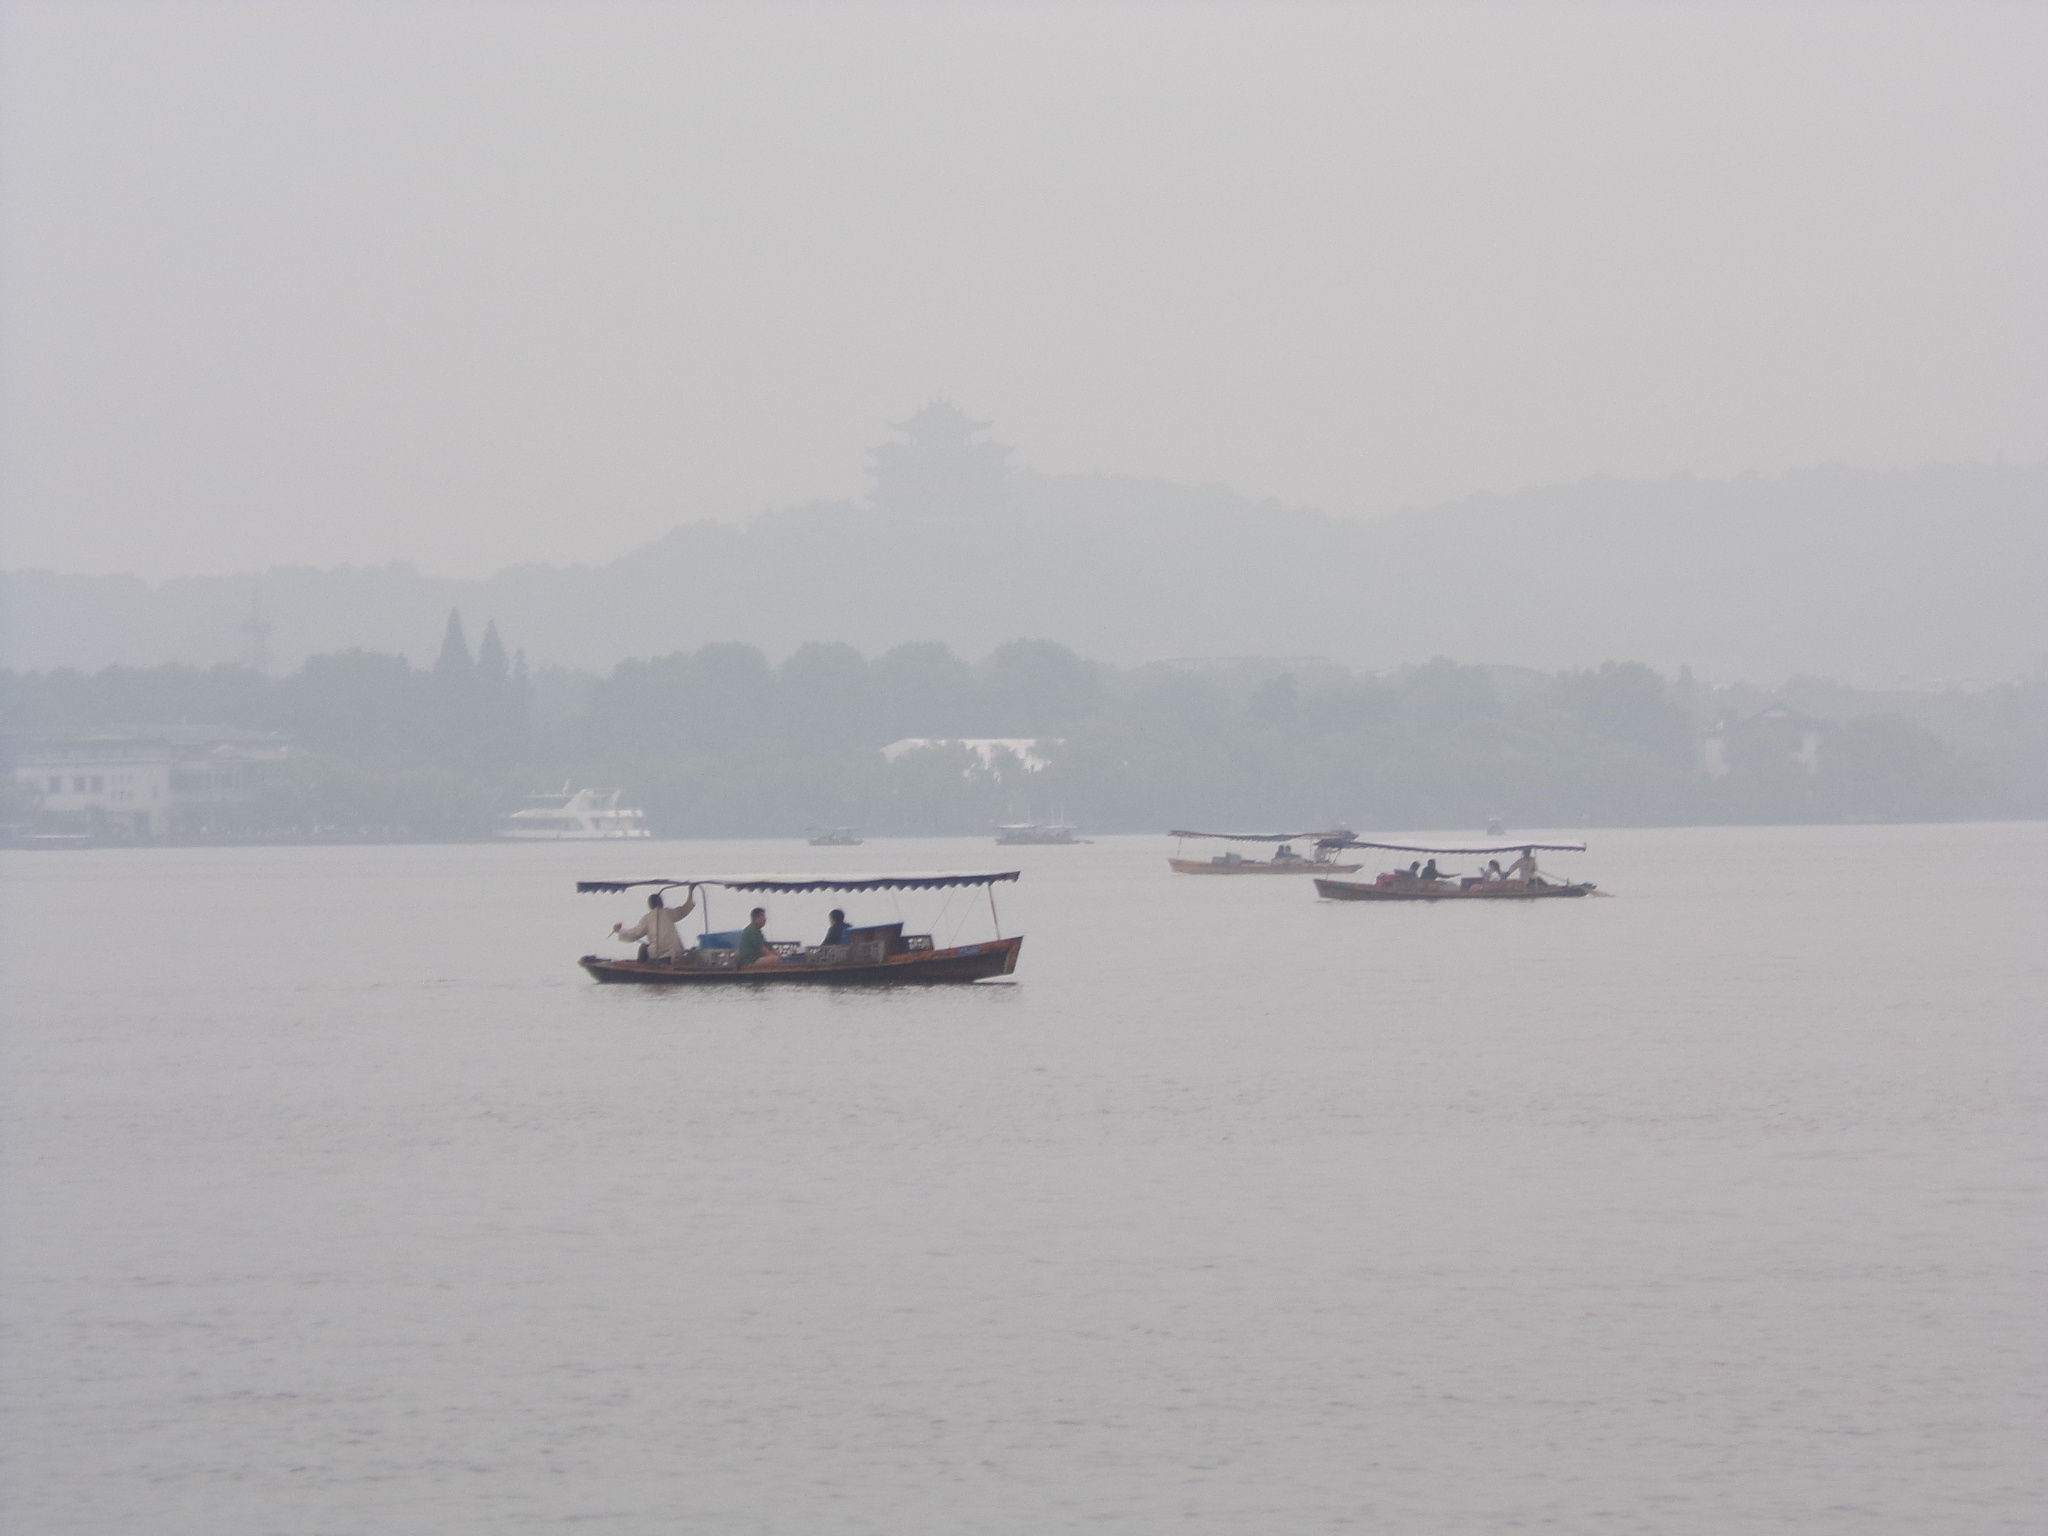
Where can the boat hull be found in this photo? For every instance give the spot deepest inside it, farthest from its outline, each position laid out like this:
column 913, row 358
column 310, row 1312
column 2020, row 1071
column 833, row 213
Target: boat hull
column 967, row 962
column 1260, row 867
column 571, row 835
column 1495, row 890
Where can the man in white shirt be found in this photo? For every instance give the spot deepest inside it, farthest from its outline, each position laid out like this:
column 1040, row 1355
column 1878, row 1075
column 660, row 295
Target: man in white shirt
column 656, row 932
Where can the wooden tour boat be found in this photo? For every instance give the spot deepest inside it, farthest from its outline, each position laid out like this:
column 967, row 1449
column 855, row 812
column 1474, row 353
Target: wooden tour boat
column 1285, row 861
column 1522, row 882
column 880, row 954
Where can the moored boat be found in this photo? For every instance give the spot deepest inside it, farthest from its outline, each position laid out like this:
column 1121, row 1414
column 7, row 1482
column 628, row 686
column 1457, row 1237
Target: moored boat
column 877, row 954
column 1522, row 881
column 1284, row 861
column 835, row 837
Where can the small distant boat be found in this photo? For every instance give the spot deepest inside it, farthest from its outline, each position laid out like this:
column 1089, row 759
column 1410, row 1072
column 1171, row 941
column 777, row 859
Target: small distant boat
column 1034, row 834
column 47, row 840
column 1522, row 882
column 882, row 954
column 835, row 837
column 574, row 815
column 1285, row 861
column 1495, row 827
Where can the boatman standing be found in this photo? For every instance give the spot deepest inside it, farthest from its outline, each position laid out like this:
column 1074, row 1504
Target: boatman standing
column 657, row 930
column 1524, row 868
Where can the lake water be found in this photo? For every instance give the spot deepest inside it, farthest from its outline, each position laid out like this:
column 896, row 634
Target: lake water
column 338, row 1201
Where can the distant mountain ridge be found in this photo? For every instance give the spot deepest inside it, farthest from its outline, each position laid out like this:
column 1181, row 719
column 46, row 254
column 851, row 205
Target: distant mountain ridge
column 1931, row 573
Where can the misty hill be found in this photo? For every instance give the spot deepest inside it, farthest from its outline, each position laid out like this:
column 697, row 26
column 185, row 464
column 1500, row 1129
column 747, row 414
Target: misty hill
column 1870, row 576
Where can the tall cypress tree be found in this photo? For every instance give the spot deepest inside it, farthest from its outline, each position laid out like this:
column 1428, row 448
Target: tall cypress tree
column 454, row 659
column 499, row 702
column 492, row 667
column 452, row 725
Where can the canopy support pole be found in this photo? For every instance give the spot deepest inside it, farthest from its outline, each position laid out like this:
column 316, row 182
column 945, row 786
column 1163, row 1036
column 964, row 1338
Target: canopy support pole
column 992, row 912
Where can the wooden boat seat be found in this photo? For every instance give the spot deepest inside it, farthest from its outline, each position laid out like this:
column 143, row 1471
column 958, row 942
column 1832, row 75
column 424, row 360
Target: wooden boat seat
column 864, row 946
column 875, row 942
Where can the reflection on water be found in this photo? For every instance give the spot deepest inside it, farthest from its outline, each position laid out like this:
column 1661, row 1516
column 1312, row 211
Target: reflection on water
column 338, row 1200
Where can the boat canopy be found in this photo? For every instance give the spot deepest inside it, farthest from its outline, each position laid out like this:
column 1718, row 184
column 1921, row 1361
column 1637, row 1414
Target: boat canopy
column 1329, row 837
column 1349, row 842
column 787, row 883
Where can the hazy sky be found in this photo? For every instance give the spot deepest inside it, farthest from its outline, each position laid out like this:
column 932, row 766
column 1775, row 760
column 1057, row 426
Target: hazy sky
column 473, row 284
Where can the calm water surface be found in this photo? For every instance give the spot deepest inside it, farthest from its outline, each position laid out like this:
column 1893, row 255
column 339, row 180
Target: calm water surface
column 337, row 1200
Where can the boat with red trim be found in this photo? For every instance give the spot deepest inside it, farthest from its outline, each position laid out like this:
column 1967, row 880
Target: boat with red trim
column 877, row 954
column 1521, row 881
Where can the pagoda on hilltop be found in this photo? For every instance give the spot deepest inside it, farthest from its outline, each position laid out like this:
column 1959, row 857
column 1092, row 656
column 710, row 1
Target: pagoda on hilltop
column 945, row 469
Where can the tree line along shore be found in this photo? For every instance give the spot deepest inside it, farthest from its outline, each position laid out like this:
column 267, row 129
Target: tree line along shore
column 720, row 741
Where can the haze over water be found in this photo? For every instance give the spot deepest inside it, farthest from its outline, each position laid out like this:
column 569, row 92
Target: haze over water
column 341, row 1202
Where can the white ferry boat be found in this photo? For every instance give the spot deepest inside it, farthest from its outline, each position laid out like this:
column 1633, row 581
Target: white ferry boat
column 574, row 815
column 1034, row 834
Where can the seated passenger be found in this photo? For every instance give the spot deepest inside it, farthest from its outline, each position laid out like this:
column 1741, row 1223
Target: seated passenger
column 840, row 931
column 753, row 945
column 1524, row 868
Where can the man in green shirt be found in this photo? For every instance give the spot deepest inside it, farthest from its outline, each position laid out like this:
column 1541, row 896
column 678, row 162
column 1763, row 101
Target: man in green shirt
column 753, row 942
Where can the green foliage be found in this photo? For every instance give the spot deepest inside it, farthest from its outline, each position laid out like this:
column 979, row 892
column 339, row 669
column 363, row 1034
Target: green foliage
column 1886, row 768
column 721, row 742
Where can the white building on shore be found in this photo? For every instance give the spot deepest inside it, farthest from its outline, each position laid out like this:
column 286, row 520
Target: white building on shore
column 145, row 782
